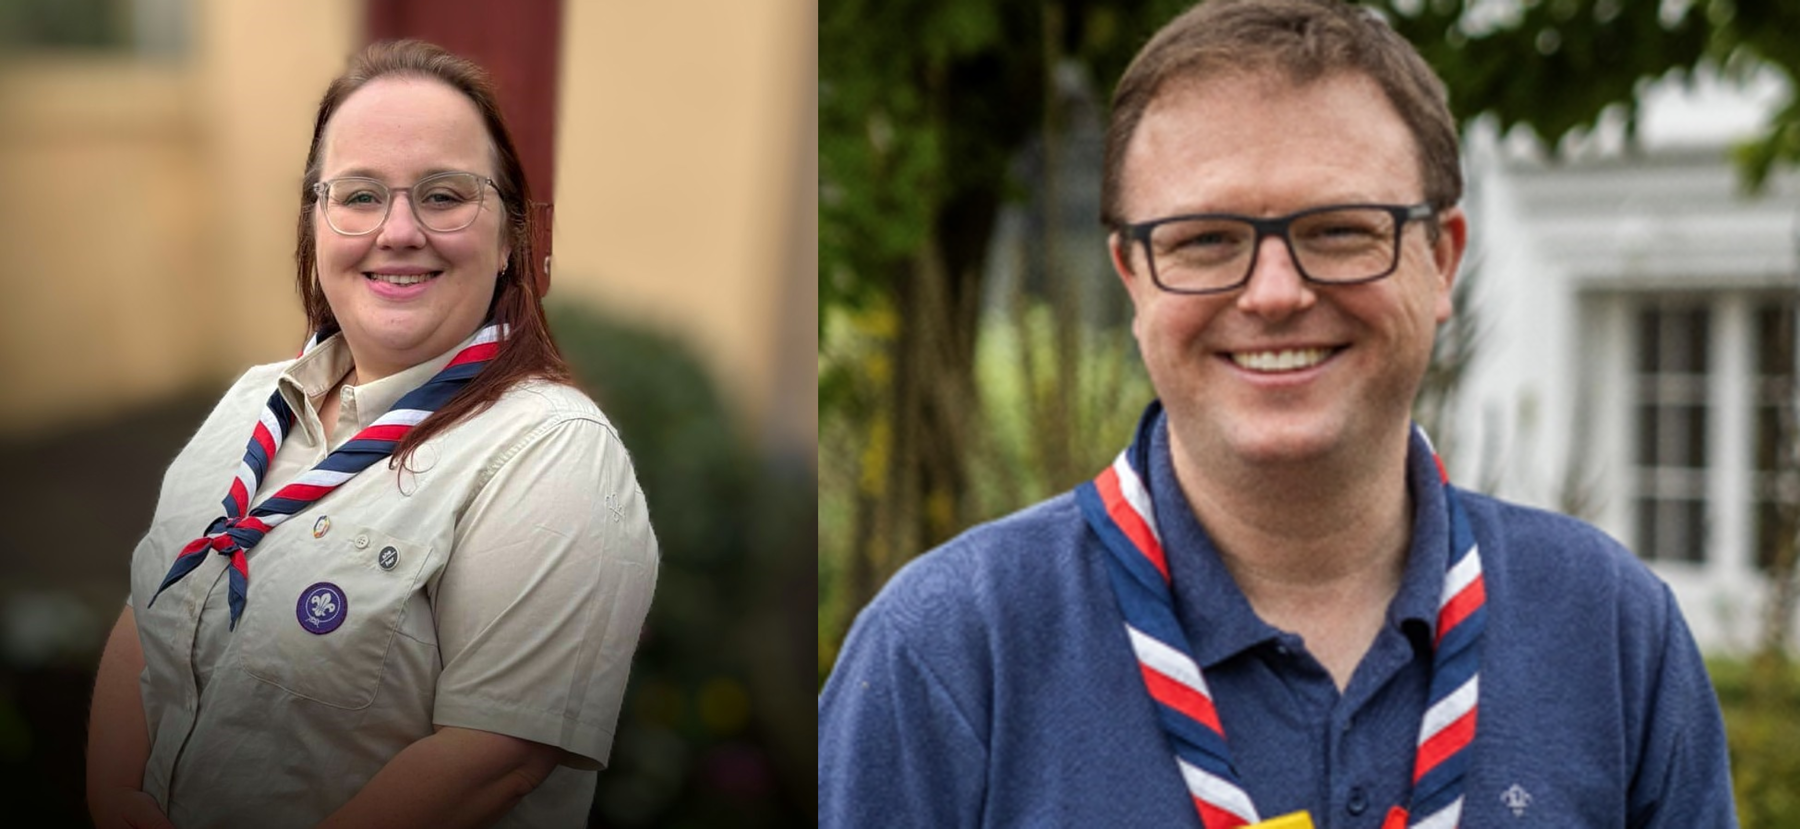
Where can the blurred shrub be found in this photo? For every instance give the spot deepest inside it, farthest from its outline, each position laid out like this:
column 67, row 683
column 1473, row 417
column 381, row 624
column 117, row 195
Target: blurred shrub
column 1761, row 702
column 713, row 719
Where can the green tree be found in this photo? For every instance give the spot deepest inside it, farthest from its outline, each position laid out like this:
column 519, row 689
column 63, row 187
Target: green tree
column 923, row 104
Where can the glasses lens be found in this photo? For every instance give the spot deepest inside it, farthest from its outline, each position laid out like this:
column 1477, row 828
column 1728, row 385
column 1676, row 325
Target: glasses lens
column 447, row 202
column 1201, row 254
column 1350, row 244
column 355, row 205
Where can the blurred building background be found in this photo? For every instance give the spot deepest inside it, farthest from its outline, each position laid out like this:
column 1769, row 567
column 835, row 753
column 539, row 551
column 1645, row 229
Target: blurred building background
column 150, row 159
column 1633, row 308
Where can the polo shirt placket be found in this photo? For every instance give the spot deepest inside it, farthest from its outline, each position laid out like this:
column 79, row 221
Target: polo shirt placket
column 1257, row 670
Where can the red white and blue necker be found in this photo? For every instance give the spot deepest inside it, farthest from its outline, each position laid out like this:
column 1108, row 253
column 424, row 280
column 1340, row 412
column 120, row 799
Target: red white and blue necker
column 1117, row 506
column 233, row 534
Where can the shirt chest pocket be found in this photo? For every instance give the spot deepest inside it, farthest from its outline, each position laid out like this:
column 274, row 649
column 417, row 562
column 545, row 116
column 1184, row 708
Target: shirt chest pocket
column 322, row 626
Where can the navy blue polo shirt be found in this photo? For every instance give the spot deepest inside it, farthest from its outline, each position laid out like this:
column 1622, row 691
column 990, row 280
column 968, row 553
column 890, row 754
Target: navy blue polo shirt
column 991, row 684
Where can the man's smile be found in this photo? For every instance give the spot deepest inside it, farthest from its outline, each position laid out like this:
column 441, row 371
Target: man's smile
column 1281, row 360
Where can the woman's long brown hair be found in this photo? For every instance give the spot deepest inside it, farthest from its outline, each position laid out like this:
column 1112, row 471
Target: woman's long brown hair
column 528, row 351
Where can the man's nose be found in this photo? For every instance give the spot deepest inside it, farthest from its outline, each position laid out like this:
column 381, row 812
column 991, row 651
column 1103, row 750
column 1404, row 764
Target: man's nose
column 1276, row 289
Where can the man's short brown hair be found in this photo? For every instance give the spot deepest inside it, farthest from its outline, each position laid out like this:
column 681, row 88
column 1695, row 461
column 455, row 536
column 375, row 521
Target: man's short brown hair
column 1302, row 41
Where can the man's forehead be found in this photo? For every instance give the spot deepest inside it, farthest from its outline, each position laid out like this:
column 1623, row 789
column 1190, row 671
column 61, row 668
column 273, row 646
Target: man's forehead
column 1261, row 144
column 1202, row 78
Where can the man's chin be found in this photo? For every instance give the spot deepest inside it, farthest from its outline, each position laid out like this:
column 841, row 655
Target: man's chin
column 1282, row 441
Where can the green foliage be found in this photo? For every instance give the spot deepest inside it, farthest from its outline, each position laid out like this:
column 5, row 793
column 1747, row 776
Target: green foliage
column 64, row 24
column 1761, row 703
column 705, row 737
column 1111, row 389
column 922, row 105
column 1556, row 66
column 1005, row 473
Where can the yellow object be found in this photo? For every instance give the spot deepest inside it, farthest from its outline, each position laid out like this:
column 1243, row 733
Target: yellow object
column 1296, row 820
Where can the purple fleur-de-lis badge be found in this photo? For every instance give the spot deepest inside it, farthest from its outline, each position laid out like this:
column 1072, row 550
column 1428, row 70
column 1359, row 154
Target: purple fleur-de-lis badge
column 322, row 607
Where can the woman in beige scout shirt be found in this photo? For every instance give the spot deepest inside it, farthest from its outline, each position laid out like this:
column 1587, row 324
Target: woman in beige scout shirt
column 417, row 603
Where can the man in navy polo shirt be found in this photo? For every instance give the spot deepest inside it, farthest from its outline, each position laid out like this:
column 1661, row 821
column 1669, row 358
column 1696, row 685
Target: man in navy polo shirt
column 1272, row 609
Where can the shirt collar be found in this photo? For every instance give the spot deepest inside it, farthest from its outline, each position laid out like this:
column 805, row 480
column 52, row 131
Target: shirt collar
column 1414, row 609
column 1214, row 610
column 313, row 373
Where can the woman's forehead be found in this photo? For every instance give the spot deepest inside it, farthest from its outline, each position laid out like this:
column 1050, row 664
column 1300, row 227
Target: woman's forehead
column 401, row 126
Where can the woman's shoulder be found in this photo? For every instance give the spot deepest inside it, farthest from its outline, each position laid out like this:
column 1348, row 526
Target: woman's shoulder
column 263, row 375
column 550, row 434
column 538, row 412
column 537, row 402
column 243, row 402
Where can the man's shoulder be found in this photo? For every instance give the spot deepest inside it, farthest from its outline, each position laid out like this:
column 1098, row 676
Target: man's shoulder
column 993, row 564
column 1536, row 528
column 1547, row 558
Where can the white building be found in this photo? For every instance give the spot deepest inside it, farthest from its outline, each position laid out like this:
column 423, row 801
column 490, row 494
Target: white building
column 1627, row 304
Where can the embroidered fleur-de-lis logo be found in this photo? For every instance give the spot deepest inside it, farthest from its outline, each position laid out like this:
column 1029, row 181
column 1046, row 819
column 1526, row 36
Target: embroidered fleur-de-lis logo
column 1516, row 799
column 323, row 606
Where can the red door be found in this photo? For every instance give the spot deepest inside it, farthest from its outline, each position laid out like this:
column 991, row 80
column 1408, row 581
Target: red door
column 518, row 42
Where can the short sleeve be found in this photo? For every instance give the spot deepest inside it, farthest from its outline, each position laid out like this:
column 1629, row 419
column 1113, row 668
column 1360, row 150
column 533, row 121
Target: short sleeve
column 896, row 747
column 540, row 604
column 1684, row 774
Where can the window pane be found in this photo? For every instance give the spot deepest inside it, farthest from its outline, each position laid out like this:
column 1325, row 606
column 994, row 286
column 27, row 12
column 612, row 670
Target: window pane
column 1672, row 417
column 1649, row 341
column 1647, row 424
column 1693, row 539
column 1692, row 438
column 1769, row 534
column 1680, row 530
column 1774, row 341
column 1768, row 437
column 1686, row 336
column 1671, row 530
column 1645, row 508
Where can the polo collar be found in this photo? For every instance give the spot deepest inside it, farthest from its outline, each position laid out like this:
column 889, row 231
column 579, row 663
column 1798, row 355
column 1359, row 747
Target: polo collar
column 1214, row 610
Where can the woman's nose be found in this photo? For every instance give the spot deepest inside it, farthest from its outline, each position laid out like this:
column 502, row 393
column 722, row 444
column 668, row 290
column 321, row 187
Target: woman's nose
column 401, row 229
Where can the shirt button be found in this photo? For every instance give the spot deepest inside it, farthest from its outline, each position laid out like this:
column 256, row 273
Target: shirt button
column 362, row 541
column 1358, row 803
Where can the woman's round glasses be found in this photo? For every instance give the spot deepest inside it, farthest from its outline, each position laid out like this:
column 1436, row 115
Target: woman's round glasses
column 441, row 203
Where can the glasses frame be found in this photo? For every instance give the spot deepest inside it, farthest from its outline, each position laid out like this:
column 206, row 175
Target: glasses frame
column 321, row 192
column 1404, row 214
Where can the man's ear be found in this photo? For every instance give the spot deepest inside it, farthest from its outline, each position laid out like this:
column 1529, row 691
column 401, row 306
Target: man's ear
column 1447, row 255
column 1118, row 250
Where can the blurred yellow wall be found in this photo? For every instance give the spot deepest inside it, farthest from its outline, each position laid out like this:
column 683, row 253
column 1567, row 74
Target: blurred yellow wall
column 148, row 227
column 146, row 232
column 686, row 151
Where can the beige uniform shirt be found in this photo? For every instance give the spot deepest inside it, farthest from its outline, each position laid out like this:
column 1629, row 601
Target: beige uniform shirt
column 499, row 583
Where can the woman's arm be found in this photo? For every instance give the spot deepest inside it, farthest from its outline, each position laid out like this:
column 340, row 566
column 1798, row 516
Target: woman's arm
column 456, row 777
column 119, row 736
column 547, row 589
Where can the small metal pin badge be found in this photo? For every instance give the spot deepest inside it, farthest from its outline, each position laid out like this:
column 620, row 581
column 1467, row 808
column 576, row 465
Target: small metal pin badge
column 322, row 526
column 388, row 558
